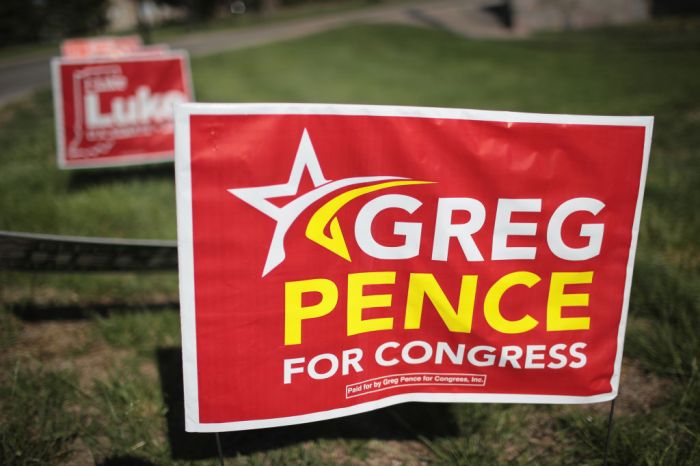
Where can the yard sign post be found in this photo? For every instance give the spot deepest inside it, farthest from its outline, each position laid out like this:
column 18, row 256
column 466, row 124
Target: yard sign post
column 338, row 259
column 218, row 449
column 609, row 431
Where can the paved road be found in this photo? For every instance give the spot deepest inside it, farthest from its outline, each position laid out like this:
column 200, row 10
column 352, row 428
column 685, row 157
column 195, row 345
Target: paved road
column 464, row 17
column 20, row 78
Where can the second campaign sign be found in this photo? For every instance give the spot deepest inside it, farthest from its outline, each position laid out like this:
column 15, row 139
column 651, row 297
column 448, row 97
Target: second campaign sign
column 118, row 111
column 337, row 259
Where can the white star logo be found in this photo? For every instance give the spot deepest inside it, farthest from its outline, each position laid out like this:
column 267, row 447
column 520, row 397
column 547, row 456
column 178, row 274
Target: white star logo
column 305, row 159
column 258, row 197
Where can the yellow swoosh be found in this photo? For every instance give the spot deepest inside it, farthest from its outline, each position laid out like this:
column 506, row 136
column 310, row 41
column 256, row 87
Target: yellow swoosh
column 327, row 214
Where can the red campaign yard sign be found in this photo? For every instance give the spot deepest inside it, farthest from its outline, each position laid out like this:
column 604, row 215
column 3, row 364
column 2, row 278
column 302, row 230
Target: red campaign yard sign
column 118, row 111
column 337, row 259
column 100, row 46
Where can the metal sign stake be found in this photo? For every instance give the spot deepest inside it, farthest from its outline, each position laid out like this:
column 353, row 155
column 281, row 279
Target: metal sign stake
column 607, row 438
column 218, row 447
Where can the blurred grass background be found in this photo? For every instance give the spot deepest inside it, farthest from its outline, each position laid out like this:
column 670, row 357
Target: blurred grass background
column 104, row 386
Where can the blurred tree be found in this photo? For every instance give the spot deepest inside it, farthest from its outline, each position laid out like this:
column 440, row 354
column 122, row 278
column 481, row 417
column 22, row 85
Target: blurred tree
column 198, row 10
column 19, row 22
column 68, row 18
column 674, row 7
column 201, row 10
column 31, row 20
column 269, row 6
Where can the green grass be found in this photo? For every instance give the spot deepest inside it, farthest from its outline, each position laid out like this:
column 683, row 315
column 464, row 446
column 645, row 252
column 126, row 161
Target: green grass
column 106, row 386
column 38, row 428
column 17, row 53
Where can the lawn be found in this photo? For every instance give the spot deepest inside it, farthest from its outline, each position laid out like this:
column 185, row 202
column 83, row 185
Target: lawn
column 89, row 364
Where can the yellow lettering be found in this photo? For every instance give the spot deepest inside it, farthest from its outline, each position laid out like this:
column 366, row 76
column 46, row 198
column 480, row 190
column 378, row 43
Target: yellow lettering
column 424, row 284
column 557, row 300
column 492, row 310
column 295, row 312
column 357, row 302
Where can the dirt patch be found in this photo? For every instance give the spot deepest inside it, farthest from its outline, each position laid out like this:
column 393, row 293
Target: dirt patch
column 149, row 370
column 97, row 365
column 378, row 453
column 80, row 455
column 395, row 452
column 47, row 341
column 640, row 391
column 38, row 295
column 68, row 345
column 534, row 435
